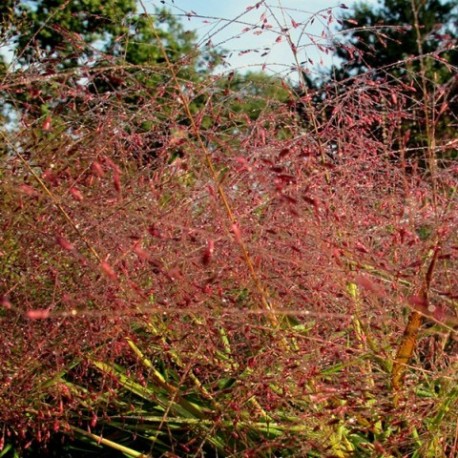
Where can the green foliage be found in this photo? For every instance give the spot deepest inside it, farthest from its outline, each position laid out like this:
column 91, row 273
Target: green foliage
column 119, row 51
column 51, row 36
column 66, row 30
column 414, row 43
column 382, row 36
column 64, row 33
column 253, row 92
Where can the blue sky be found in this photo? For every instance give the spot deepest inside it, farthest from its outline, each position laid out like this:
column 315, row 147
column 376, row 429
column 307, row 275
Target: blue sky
column 229, row 25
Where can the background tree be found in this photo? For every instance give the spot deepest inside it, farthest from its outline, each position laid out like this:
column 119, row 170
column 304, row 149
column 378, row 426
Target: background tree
column 52, row 35
column 380, row 37
column 79, row 60
column 66, row 31
column 116, row 56
column 412, row 44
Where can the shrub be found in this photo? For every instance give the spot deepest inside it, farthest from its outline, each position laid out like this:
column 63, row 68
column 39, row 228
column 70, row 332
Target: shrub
column 182, row 279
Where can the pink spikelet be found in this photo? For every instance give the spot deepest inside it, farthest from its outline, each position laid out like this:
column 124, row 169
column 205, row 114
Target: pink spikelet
column 64, row 243
column 38, row 314
column 237, row 233
column 108, row 270
column 208, row 253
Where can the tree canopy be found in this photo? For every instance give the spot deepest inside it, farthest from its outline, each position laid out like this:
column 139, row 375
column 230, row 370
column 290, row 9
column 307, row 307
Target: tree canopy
column 410, row 45
column 389, row 35
column 94, row 57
